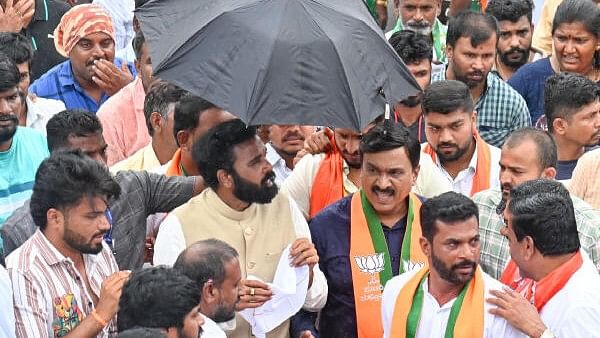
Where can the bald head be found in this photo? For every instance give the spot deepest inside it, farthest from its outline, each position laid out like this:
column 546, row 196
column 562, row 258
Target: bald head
column 205, row 260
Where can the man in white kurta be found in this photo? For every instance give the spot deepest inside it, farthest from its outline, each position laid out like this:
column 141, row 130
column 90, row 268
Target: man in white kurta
column 242, row 208
column 435, row 317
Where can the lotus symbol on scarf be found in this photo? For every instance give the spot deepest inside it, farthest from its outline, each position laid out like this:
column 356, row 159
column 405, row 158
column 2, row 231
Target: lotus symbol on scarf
column 371, row 264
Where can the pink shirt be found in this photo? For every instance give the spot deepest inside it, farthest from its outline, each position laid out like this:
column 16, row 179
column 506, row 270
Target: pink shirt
column 123, row 121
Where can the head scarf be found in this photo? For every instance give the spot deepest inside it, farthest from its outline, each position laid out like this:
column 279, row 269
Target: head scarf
column 77, row 23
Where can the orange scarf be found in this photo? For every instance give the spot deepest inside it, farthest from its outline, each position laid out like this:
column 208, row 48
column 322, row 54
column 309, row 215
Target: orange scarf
column 366, row 284
column 470, row 318
column 481, row 180
column 542, row 291
column 174, row 168
column 328, row 185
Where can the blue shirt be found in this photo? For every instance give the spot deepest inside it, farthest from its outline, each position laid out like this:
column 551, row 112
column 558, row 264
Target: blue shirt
column 529, row 81
column 59, row 83
column 18, row 166
column 330, row 231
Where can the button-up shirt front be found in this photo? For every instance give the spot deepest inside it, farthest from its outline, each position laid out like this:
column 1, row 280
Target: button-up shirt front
column 50, row 295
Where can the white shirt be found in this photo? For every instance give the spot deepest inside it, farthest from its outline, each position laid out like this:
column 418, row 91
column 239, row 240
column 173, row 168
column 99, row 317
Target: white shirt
column 40, row 111
column 7, row 315
column 434, row 318
column 170, row 242
column 298, row 185
column 279, row 167
column 211, row 329
column 574, row 311
column 464, row 180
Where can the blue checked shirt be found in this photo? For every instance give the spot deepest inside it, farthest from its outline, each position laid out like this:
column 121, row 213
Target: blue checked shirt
column 500, row 109
column 59, row 83
column 494, row 247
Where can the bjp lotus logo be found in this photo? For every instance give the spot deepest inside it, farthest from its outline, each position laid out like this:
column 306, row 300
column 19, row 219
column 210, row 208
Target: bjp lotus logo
column 371, row 264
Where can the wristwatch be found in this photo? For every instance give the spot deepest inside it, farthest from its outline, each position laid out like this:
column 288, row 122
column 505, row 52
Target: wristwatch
column 547, row 334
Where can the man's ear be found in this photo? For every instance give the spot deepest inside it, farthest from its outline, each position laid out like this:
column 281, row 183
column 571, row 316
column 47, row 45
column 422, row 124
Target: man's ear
column 425, row 246
column 225, row 179
column 559, row 126
column 549, row 173
column 156, row 121
column 182, row 139
column 209, row 292
column 529, row 248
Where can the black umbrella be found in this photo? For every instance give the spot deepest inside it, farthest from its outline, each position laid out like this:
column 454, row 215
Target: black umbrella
column 315, row 62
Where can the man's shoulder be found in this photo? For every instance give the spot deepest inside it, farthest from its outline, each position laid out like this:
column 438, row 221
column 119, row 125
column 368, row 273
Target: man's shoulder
column 333, row 218
column 32, row 141
column 46, row 85
column 487, row 198
column 119, row 104
column 501, row 88
column 24, row 258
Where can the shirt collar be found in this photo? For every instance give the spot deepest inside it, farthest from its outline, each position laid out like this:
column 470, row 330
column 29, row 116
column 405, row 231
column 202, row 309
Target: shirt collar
column 273, row 156
column 41, row 11
column 65, row 74
column 33, row 111
column 52, row 256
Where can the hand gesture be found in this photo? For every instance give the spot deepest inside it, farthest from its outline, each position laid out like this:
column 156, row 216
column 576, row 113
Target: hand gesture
column 517, row 311
column 110, row 78
column 110, row 293
column 11, row 18
column 318, row 142
column 253, row 293
column 26, row 8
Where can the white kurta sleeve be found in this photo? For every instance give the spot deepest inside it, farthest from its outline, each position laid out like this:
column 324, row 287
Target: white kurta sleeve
column 170, row 242
column 316, row 296
column 298, row 185
column 388, row 303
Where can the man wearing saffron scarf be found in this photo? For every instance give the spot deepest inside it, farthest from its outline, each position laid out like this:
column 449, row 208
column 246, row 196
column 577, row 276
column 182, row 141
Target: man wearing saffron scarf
column 545, row 248
column 445, row 298
column 527, row 154
column 366, row 238
column 454, row 144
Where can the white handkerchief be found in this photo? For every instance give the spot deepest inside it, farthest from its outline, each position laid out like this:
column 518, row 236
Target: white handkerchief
column 289, row 292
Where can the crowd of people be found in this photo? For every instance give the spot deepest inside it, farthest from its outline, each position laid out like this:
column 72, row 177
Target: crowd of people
column 130, row 207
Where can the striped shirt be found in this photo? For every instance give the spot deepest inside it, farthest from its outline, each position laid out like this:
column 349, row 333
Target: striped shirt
column 50, row 296
column 500, row 109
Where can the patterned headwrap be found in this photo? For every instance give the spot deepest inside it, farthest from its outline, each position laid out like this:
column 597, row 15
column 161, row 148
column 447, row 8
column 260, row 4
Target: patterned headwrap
column 78, row 22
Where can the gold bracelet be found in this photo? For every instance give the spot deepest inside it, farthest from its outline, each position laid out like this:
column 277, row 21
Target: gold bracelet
column 99, row 319
column 381, row 3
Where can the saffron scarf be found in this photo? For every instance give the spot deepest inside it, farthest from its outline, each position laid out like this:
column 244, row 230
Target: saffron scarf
column 466, row 315
column 328, row 185
column 370, row 259
column 481, row 180
column 542, row 291
column 175, row 168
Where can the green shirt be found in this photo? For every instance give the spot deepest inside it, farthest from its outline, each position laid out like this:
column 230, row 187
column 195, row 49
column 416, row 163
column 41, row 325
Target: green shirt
column 494, row 247
column 438, row 32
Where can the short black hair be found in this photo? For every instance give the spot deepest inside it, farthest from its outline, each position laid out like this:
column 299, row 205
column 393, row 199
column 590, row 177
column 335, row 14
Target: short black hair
column 564, row 95
column 188, row 111
column 158, row 99
column 206, row 260
column 412, row 47
column 66, row 177
column 387, row 136
column 543, row 210
column 17, row 47
column 9, row 74
column 447, row 96
column 214, row 150
column 70, row 122
column 142, row 332
column 479, row 27
column 157, row 297
column 510, row 10
column 448, row 207
column 544, row 142
column 139, row 3
column 138, row 42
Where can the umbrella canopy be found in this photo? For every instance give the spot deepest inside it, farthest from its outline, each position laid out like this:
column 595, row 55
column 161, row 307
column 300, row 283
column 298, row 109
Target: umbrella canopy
column 313, row 62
